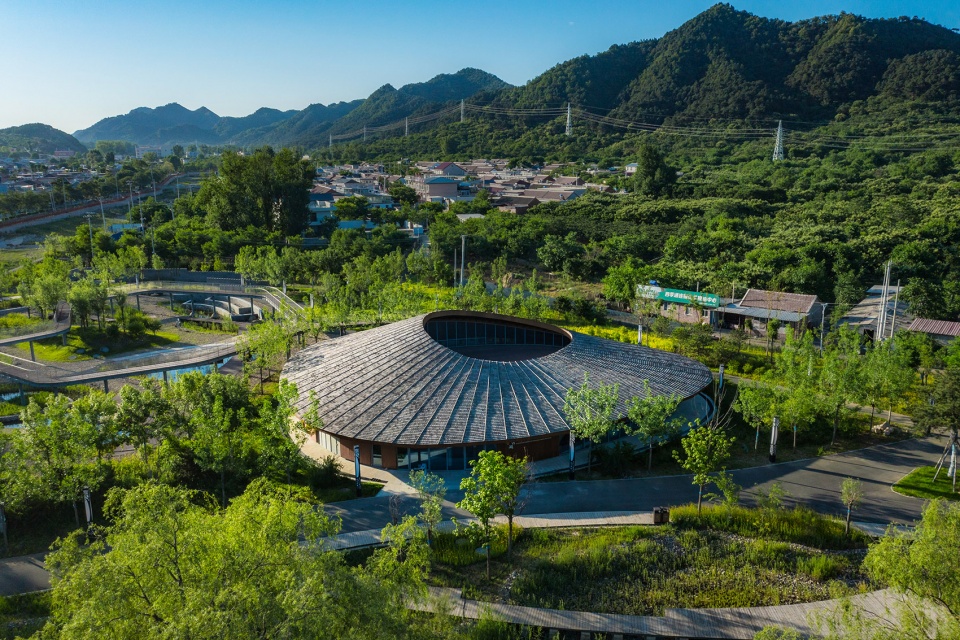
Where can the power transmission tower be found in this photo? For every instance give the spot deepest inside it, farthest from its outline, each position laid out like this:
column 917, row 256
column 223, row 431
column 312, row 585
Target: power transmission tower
column 406, row 126
column 461, row 110
column 330, row 145
column 364, row 134
column 569, row 120
column 778, row 147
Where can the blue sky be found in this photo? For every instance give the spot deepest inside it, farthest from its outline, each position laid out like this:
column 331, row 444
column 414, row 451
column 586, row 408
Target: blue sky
column 69, row 64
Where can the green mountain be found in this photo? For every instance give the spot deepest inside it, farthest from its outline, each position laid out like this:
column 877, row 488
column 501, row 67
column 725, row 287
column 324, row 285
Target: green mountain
column 726, row 63
column 300, row 125
column 228, row 127
column 143, row 125
column 39, row 137
column 388, row 105
column 172, row 124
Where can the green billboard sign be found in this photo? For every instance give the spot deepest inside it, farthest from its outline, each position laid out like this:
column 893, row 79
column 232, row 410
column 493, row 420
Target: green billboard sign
column 678, row 296
column 690, row 297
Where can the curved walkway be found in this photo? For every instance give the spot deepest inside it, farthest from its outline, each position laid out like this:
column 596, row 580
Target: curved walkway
column 740, row 623
column 61, row 325
column 48, row 376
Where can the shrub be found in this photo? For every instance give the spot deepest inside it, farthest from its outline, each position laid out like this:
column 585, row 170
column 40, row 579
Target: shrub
column 457, row 550
column 822, row 567
column 798, row 525
column 617, row 459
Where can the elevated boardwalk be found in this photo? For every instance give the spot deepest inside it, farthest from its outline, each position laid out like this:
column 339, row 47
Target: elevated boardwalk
column 58, row 327
column 734, row 623
column 47, row 376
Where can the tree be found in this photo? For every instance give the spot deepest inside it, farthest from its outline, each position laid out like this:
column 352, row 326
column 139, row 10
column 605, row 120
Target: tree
column 650, row 416
column 705, row 450
column 173, row 565
column 267, row 345
column 885, row 374
column 759, row 404
column 353, row 208
column 851, row 493
column 654, row 177
column 403, row 194
column 839, row 374
column 922, row 569
column 590, row 412
column 493, row 487
column 797, row 370
column 431, row 489
column 96, row 414
column 144, row 416
column 557, row 251
column 51, row 456
column 943, row 411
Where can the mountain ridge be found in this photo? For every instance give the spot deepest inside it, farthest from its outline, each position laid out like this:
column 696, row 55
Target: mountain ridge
column 721, row 64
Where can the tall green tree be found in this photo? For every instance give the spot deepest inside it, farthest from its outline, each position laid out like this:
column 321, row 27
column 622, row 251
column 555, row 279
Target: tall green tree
column 430, row 489
column 651, row 418
column 52, row 458
column 705, row 449
column 493, row 487
column 590, row 412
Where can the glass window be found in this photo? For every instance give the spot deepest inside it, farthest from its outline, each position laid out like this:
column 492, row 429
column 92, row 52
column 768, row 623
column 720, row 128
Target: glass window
column 402, row 459
column 377, row 456
column 457, row 458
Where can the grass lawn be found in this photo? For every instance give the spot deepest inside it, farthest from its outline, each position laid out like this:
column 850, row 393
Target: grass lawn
column 19, row 324
column 644, row 570
column 83, row 343
column 919, row 484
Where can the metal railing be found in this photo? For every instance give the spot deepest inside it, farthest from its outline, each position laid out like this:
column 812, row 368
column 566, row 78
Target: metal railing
column 276, row 298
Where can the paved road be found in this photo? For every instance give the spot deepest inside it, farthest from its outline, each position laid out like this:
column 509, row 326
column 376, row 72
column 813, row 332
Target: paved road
column 815, row 482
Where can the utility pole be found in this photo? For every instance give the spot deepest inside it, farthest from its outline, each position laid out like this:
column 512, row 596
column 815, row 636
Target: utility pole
column 896, row 301
column 569, row 120
column 103, row 216
column 461, row 110
column 454, row 266
column 778, row 146
column 884, row 298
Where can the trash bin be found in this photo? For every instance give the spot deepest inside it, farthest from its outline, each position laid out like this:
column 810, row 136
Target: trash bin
column 661, row 515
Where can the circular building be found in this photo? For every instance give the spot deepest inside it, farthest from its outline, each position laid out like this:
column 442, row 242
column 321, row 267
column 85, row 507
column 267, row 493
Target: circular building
column 435, row 390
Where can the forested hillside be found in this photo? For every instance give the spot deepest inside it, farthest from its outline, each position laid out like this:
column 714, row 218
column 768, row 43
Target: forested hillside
column 40, row 138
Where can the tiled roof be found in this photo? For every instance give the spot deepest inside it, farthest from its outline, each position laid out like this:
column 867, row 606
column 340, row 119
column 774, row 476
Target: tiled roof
column 793, row 302
column 935, row 327
column 396, row 384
